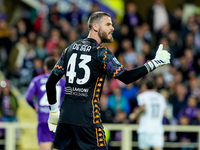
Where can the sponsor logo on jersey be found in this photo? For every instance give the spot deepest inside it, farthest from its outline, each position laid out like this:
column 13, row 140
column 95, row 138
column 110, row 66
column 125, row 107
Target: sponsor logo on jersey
column 76, row 91
column 117, row 62
column 112, row 66
column 68, row 90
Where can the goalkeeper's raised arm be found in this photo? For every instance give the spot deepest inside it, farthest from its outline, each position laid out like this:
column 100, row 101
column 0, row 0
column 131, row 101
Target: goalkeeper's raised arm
column 162, row 58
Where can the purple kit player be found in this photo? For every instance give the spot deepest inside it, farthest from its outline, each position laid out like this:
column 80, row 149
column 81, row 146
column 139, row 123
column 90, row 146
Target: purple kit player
column 37, row 88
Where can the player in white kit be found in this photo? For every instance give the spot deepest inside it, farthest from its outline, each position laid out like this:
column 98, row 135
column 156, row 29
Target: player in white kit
column 152, row 107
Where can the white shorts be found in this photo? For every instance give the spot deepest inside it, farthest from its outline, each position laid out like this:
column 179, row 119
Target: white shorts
column 147, row 141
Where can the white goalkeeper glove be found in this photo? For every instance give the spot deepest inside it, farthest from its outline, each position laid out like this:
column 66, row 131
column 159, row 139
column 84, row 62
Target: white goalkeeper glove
column 162, row 58
column 53, row 119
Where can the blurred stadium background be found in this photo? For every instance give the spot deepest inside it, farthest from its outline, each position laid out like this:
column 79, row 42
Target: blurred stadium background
column 31, row 30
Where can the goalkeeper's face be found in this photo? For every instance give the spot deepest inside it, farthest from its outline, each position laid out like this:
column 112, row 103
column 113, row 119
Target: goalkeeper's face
column 106, row 29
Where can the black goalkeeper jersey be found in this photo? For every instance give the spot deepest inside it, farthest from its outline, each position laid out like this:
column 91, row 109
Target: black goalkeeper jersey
column 85, row 64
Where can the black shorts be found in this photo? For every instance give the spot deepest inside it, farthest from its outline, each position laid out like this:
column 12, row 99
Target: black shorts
column 72, row 137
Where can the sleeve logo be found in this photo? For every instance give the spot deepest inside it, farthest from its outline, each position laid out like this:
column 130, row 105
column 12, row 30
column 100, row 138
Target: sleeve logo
column 116, row 61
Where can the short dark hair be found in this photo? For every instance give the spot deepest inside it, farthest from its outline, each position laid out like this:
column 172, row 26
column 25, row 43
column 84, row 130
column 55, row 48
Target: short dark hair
column 49, row 62
column 96, row 17
column 150, row 83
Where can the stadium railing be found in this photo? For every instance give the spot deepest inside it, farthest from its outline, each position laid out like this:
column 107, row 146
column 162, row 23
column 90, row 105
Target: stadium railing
column 126, row 143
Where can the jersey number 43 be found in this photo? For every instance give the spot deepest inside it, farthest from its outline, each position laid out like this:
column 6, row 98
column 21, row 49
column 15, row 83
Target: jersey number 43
column 71, row 68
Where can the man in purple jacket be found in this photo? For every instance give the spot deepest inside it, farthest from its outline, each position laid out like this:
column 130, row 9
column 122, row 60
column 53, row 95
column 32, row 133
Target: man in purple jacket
column 37, row 88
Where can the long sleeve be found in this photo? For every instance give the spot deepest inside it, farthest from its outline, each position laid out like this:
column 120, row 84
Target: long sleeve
column 51, row 88
column 129, row 76
column 30, row 94
column 109, row 63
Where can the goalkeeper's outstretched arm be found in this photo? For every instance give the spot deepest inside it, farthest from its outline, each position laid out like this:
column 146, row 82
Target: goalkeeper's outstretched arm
column 162, row 58
column 129, row 76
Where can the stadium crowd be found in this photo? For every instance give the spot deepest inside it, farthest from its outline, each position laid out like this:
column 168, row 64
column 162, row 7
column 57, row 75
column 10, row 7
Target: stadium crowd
column 46, row 32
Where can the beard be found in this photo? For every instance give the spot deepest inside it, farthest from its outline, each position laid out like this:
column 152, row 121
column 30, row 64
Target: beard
column 104, row 37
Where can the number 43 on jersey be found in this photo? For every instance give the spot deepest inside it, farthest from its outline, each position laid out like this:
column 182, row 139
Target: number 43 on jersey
column 71, row 68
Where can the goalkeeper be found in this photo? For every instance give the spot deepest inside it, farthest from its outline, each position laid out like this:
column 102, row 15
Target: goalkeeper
column 78, row 124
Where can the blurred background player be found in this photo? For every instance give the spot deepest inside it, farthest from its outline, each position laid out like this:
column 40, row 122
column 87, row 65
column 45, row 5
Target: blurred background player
column 152, row 107
column 37, row 88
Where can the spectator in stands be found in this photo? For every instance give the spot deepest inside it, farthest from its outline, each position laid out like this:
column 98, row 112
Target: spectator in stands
column 120, row 117
column 160, row 82
column 54, row 16
column 107, row 113
column 42, row 13
column 22, row 28
column 193, row 86
column 56, row 53
column 4, row 30
column 187, row 28
column 52, row 41
column 94, row 8
column 175, row 44
column 40, row 50
column 107, row 87
column 149, row 36
column 74, row 17
column 189, row 9
column 131, row 16
column 196, row 65
column 157, row 16
column 26, row 71
column 38, row 67
column 62, row 44
column 164, row 31
column 189, row 55
column 124, row 33
column 16, row 57
column 72, row 36
column 178, row 99
column 196, row 33
column 32, row 38
column 9, row 103
column 178, row 77
column 186, row 137
column 198, row 98
column 65, row 28
column 117, row 26
column 130, row 55
column 139, row 40
column 13, row 36
column 146, row 51
column 140, row 59
column 190, row 111
column 176, row 14
column 196, row 120
column 130, row 91
column 45, row 31
column 117, row 101
column 5, row 42
column 83, row 30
